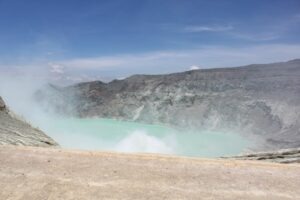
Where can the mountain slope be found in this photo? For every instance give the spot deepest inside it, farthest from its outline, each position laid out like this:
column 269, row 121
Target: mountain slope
column 17, row 132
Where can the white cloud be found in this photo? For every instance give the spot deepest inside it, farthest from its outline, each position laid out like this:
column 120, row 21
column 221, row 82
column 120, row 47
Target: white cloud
column 121, row 61
column 194, row 67
column 168, row 61
column 268, row 36
column 236, row 33
column 278, row 28
column 115, row 66
column 217, row 28
column 56, row 68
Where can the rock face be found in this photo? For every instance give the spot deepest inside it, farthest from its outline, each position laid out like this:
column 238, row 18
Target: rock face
column 281, row 156
column 261, row 101
column 17, row 132
column 2, row 105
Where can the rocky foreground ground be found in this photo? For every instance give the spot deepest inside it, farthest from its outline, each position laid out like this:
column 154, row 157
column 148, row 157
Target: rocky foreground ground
column 47, row 173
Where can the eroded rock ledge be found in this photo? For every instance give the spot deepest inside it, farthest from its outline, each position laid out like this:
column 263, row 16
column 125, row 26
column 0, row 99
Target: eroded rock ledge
column 280, row 156
column 2, row 105
column 14, row 131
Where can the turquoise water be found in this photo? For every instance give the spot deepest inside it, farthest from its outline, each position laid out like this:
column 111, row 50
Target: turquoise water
column 113, row 135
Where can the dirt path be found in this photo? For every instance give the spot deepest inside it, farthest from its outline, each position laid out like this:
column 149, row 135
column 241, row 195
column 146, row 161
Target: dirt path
column 42, row 173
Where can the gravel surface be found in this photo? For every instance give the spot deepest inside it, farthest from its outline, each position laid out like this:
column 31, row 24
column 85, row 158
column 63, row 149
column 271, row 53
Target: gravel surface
column 37, row 173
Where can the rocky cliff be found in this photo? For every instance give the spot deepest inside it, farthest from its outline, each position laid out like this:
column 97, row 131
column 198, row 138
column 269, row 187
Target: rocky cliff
column 17, row 132
column 260, row 101
column 281, row 156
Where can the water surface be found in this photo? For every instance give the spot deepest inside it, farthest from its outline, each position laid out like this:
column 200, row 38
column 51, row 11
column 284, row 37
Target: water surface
column 113, row 135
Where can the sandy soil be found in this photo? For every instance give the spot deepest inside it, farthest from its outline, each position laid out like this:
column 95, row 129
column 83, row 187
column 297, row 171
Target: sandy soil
column 41, row 173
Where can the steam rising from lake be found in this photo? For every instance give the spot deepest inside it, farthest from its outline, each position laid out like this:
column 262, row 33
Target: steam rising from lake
column 113, row 135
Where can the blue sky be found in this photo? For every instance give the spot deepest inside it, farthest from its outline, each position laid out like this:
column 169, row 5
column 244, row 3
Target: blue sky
column 115, row 38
